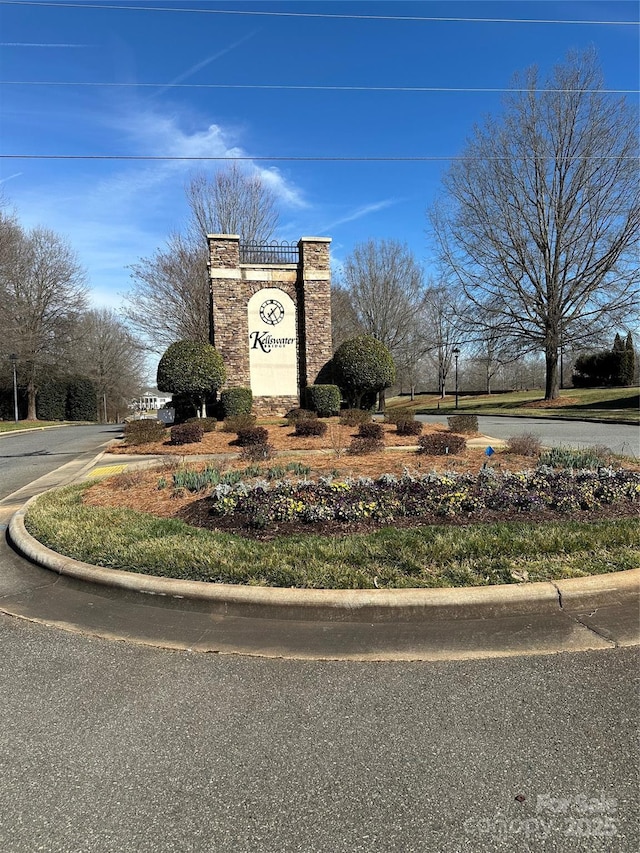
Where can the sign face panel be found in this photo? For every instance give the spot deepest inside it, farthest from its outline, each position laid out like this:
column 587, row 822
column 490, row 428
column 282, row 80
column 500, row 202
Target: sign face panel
column 273, row 361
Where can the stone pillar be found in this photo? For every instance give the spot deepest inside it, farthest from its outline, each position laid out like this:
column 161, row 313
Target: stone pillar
column 228, row 322
column 315, row 307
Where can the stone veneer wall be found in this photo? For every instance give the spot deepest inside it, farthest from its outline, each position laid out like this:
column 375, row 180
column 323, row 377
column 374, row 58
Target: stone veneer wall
column 308, row 283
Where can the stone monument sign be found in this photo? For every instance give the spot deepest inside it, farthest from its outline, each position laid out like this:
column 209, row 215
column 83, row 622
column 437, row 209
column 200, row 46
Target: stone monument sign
column 271, row 315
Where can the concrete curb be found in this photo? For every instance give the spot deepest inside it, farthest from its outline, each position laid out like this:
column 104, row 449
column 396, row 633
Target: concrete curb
column 396, row 605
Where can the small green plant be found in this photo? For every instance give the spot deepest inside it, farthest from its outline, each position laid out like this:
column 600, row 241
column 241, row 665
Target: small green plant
column 355, row 417
column 310, row 427
column 236, row 401
column 237, row 422
column 371, row 430
column 299, row 469
column 186, row 434
column 143, row 432
column 276, row 472
column 441, row 444
column 463, row 424
column 526, row 444
column 572, row 458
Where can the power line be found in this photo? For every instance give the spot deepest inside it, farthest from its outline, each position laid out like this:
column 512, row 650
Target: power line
column 272, row 14
column 298, row 159
column 302, row 87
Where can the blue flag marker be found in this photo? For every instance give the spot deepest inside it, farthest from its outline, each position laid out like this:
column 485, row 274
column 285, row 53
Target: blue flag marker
column 489, row 451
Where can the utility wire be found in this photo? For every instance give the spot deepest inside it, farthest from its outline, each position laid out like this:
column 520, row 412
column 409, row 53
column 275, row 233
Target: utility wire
column 279, row 86
column 246, row 12
column 310, row 158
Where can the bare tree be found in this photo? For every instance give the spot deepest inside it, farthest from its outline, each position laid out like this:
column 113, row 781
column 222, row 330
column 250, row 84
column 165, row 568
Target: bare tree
column 109, row 354
column 43, row 295
column 543, row 211
column 385, row 287
column 444, row 320
column 169, row 300
column 170, row 297
column 344, row 319
column 232, row 202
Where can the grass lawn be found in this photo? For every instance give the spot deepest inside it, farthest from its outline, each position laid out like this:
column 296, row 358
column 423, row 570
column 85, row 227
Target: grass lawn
column 608, row 404
column 12, row 426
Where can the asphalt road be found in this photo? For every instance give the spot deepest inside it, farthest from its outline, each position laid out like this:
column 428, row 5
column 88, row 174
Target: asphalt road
column 112, row 748
column 26, row 456
column 620, row 438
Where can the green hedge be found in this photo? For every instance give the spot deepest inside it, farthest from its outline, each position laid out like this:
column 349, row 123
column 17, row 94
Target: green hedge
column 323, row 399
column 236, row 401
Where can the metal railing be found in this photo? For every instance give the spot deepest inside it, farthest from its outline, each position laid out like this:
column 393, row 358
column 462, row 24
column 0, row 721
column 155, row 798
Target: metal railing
column 269, row 253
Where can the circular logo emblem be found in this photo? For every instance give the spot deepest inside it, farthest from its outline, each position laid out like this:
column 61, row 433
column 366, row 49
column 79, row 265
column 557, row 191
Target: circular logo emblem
column 271, row 312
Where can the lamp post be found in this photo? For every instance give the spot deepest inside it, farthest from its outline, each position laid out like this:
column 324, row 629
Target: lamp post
column 13, row 358
column 456, row 353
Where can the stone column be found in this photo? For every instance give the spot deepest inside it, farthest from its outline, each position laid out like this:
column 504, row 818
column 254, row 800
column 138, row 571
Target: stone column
column 229, row 324
column 315, row 307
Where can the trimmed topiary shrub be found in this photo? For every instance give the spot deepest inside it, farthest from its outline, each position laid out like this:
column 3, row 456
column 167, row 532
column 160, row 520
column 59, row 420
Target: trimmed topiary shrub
column 237, row 422
column 310, row 427
column 465, row 424
column 207, row 424
column 363, row 365
column 361, row 446
column 186, row 434
column 409, row 428
column 294, row 415
column 252, row 435
column 323, row 399
column 143, row 432
column 355, row 417
column 442, row 444
column 236, row 401
column 371, row 430
column 191, row 367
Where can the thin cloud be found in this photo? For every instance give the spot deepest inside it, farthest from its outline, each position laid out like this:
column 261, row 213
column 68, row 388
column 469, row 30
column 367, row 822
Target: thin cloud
column 359, row 212
column 200, row 65
column 10, row 177
column 37, row 44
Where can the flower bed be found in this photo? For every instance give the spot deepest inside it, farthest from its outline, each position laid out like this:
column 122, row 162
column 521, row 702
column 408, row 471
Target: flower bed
column 390, row 498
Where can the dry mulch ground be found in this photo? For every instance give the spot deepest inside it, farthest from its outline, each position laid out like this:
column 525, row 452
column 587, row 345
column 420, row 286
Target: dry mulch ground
column 138, row 490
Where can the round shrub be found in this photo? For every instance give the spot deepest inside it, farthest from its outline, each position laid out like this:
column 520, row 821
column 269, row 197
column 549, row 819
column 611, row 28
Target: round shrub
column 525, row 444
column 237, row 422
column 236, row 401
column 442, row 443
column 310, row 427
column 191, row 367
column 363, row 365
column 371, row 430
column 355, row 417
column 396, row 416
column 251, row 436
column 409, row 428
column 361, row 446
column 207, row 424
column 143, row 432
column 467, row 424
column 294, row 415
column 186, row 434
column 323, row 399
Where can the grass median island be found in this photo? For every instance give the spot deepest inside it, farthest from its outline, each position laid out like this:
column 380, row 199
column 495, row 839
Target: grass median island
column 428, row 556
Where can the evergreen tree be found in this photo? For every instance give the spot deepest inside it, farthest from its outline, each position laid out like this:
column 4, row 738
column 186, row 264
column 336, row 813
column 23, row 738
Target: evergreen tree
column 628, row 370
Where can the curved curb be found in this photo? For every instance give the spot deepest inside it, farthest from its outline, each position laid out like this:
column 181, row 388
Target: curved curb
column 394, row 605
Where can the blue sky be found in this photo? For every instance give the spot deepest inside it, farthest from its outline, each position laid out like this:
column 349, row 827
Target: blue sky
column 115, row 211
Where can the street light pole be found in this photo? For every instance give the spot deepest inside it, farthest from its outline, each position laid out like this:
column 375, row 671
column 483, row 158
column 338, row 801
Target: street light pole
column 13, row 358
column 456, row 353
